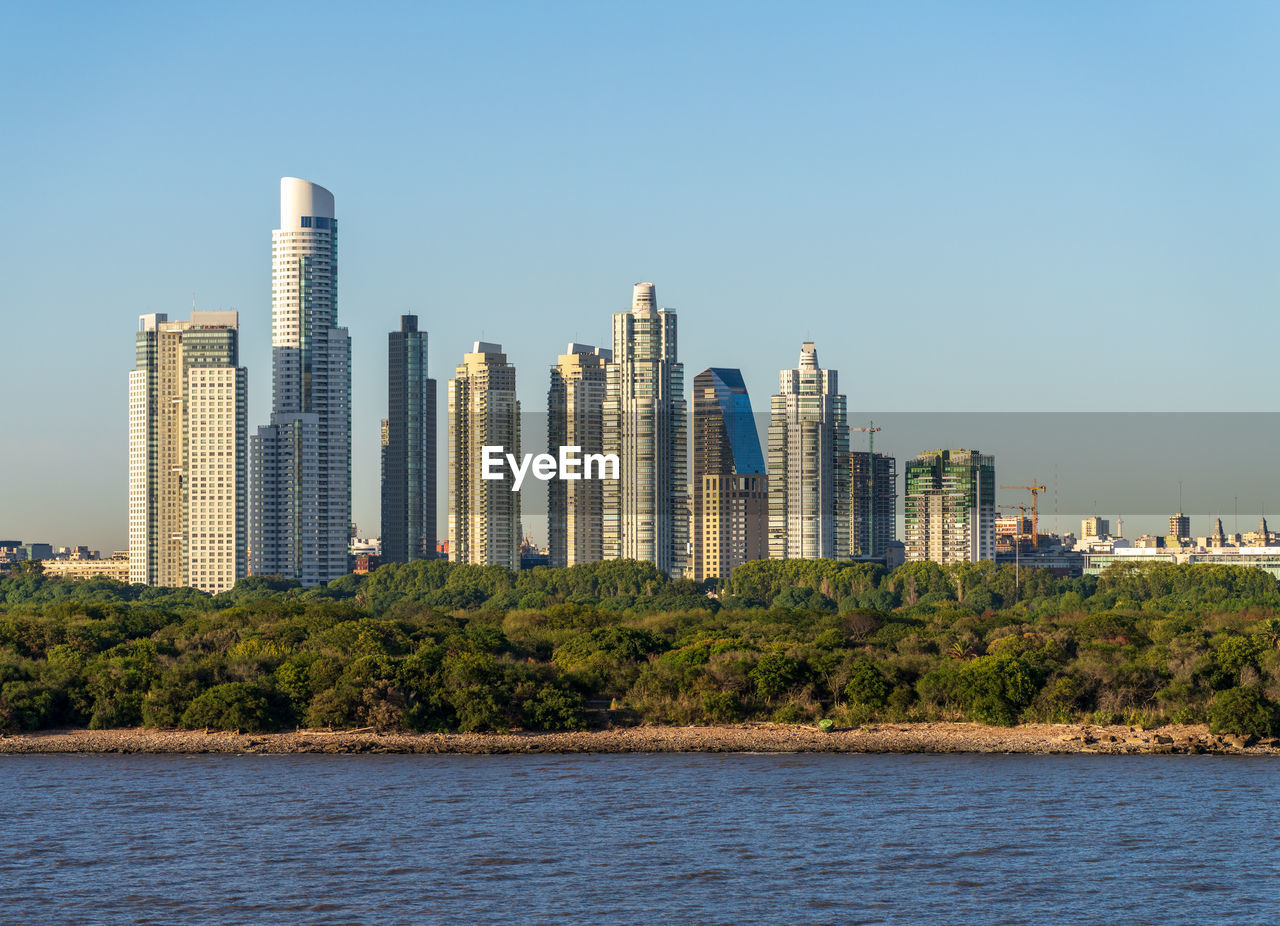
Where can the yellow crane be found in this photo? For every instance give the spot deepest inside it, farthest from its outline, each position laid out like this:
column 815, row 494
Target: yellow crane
column 1035, row 491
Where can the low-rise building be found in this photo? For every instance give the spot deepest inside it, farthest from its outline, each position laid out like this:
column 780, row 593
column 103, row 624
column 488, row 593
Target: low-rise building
column 1267, row 558
column 114, row 567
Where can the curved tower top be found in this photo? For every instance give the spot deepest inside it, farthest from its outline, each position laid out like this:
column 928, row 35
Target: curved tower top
column 300, row 198
column 644, row 298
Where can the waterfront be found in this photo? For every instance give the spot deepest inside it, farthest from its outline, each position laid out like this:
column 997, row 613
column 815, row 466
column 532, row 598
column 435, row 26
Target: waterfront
column 638, row 838
column 916, row 737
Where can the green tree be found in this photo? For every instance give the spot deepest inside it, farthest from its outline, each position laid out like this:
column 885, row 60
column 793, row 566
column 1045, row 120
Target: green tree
column 867, row 685
column 775, row 674
column 996, row 689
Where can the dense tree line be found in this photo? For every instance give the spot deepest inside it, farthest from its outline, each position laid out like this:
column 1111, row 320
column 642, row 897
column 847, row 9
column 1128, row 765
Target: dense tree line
column 440, row 646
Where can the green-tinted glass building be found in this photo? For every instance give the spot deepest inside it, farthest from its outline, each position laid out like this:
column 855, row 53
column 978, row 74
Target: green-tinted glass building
column 950, row 507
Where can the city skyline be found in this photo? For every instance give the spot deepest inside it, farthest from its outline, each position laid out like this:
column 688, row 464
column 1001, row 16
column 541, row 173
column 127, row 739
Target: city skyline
column 1092, row 193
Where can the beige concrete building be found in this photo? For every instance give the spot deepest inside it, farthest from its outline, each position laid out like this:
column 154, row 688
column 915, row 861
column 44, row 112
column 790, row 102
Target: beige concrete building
column 1094, row 527
column 484, row 514
column 115, row 567
column 575, row 418
column 188, row 474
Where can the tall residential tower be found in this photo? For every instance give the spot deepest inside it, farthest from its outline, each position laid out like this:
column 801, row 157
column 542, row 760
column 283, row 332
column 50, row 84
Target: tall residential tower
column 730, row 490
column 808, row 464
column 950, row 507
column 188, row 478
column 300, row 505
column 575, row 409
column 409, row 449
column 646, row 510
column 484, row 514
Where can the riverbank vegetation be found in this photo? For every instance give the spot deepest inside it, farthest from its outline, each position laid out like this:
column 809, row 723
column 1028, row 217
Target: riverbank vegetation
column 439, row 646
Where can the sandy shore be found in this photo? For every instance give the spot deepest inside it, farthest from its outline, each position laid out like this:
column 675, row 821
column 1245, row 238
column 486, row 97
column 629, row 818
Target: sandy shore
column 754, row 737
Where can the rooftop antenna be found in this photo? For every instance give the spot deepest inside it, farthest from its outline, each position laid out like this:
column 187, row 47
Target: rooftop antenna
column 1056, row 528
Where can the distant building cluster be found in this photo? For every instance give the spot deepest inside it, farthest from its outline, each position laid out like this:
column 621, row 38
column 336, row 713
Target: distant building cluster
column 694, row 491
column 65, row 562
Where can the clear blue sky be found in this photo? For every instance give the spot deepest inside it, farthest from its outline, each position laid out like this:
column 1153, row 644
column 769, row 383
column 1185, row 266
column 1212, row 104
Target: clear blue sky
column 1071, row 202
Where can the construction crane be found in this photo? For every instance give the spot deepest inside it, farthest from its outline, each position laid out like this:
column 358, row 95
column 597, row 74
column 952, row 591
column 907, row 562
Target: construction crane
column 870, row 430
column 1035, row 491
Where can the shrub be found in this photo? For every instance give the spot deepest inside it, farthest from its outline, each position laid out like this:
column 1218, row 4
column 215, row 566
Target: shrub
column 240, row 706
column 555, row 709
column 996, row 689
column 1242, row 710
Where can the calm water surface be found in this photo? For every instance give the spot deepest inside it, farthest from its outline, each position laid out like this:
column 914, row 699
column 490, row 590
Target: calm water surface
column 639, row 839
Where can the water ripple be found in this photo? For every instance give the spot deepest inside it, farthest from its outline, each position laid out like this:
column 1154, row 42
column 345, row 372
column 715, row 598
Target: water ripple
column 638, row 838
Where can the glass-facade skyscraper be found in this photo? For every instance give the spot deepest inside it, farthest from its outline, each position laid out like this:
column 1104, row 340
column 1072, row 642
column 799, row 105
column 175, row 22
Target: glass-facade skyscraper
column 949, row 507
column 808, row 464
column 409, row 449
column 730, row 489
column 300, row 502
column 646, row 510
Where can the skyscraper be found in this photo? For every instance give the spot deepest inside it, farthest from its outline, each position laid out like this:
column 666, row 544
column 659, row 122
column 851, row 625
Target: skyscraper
column 949, row 510
column 188, row 400
column 300, row 504
column 873, row 490
column 730, row 490
column 409, row 449
column 808, row 464
column 575, row 410
column 646, row 510
column 484, row 514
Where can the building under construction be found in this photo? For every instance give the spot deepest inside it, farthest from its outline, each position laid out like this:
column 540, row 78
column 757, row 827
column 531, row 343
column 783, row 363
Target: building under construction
column 873, row 508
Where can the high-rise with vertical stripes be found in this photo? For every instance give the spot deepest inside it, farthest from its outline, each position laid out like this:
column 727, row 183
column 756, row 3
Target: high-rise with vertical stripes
column 808, row 464
column 575, row 418
column 646, row 510
column 409, row 449
column 187, row 470
column 300, row 500
column 484, row 513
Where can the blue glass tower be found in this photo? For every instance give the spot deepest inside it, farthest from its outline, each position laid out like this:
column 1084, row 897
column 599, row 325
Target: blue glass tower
column 730, row 490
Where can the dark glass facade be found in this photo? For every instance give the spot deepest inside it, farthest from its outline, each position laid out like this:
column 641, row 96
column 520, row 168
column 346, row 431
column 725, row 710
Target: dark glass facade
column 409, row 449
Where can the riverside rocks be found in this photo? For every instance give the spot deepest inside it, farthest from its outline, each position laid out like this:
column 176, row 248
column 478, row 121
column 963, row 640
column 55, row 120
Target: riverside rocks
column 933, row 737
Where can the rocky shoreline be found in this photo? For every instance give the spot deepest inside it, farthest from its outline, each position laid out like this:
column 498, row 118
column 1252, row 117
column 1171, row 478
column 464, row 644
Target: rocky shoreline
column 934, row 737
